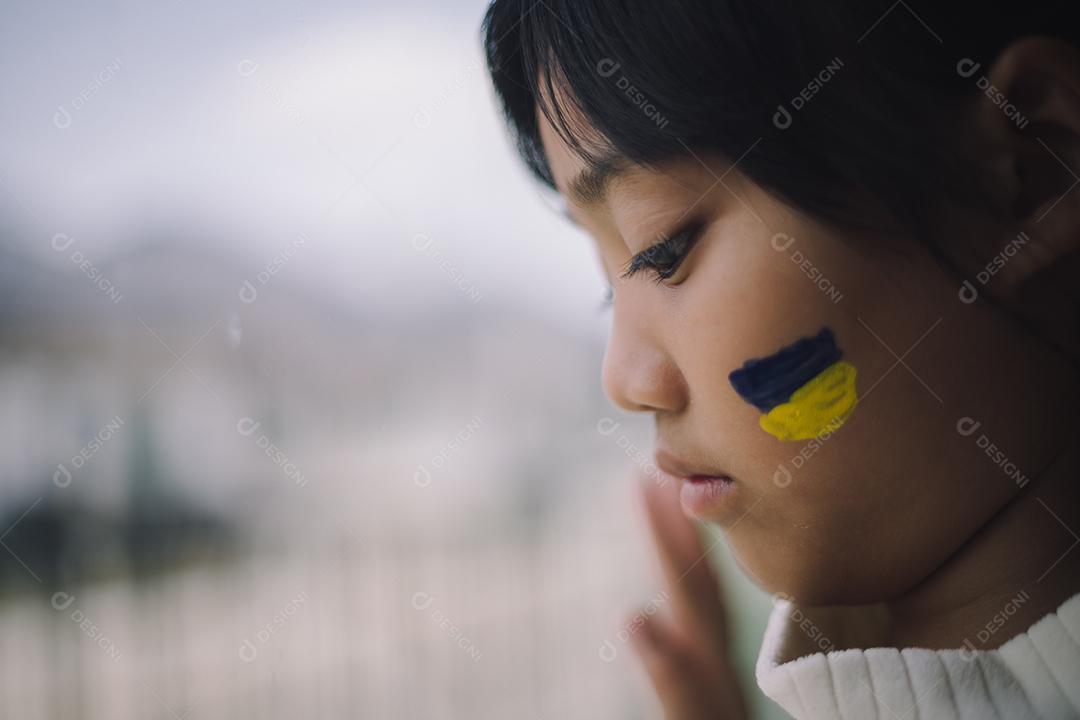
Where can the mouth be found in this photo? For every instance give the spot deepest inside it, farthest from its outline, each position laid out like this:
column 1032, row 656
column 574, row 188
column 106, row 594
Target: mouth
column 702, row 490
column 702, row 495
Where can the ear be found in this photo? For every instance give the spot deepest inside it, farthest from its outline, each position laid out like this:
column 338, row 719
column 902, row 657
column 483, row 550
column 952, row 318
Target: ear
column 1030, row 101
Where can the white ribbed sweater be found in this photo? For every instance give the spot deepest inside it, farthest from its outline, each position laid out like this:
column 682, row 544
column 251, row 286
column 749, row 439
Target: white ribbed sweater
column 1036, row 674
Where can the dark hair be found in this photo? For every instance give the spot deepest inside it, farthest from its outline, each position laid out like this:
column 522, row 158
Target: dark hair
column 879, row 137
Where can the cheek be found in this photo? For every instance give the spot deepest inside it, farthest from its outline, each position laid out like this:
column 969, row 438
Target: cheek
column 745, row 301
column 828, row 516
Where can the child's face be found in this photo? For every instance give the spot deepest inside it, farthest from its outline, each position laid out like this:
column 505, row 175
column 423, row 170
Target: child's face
column 866, row 512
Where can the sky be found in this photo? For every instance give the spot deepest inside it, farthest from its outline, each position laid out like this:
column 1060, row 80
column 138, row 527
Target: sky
column 367, row 129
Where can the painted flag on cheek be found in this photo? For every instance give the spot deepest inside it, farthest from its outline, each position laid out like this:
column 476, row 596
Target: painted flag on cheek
column 804, row 389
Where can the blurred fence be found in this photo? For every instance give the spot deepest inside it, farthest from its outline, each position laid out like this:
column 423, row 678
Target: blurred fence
column 396, row 629
column 299, row 388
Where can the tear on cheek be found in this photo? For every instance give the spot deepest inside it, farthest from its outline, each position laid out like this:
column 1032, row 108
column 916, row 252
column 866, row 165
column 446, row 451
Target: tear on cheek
column 805, row 389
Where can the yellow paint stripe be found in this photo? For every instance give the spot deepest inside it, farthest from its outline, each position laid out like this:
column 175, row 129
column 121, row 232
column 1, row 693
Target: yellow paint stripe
column 817, row 408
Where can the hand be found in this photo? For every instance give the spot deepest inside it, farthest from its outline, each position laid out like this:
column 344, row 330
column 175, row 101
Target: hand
column 686, row 655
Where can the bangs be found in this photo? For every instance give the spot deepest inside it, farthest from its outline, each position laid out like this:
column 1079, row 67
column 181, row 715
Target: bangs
column 854, row 110
column 602, row 87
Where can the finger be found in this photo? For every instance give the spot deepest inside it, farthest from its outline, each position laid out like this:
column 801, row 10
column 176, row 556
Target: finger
column 671, row 670
column 696, row 600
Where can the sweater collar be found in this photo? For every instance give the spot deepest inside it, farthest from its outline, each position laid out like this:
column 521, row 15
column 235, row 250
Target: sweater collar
column 804, row 669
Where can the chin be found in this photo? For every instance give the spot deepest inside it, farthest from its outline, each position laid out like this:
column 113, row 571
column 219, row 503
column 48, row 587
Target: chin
column 810, row 581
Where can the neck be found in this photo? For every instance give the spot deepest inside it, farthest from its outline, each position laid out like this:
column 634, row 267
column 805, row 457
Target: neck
column 1021, row 565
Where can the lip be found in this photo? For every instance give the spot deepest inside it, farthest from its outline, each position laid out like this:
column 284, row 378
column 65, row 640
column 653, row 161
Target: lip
column 702, row 495
column 673, row 465
column 703, row 489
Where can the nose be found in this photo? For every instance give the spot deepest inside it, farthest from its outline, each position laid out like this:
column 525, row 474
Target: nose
column 639, row 374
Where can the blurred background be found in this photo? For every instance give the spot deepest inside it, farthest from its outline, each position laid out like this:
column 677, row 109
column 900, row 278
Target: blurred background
column 299, row 381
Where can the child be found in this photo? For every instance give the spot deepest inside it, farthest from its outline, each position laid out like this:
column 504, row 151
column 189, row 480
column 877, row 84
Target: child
column 841, row 243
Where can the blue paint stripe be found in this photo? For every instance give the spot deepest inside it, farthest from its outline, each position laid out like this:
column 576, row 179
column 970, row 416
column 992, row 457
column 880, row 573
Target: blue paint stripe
column 769, row 381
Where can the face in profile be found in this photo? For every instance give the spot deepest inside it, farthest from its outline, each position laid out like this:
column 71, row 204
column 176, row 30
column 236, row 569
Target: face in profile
column 817, row 386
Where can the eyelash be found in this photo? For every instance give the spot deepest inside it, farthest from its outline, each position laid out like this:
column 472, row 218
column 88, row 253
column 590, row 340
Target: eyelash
column 662, row 268
column 663, row 258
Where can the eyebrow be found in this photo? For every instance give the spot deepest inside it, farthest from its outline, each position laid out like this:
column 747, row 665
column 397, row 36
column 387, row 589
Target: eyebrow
column 591, row 185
